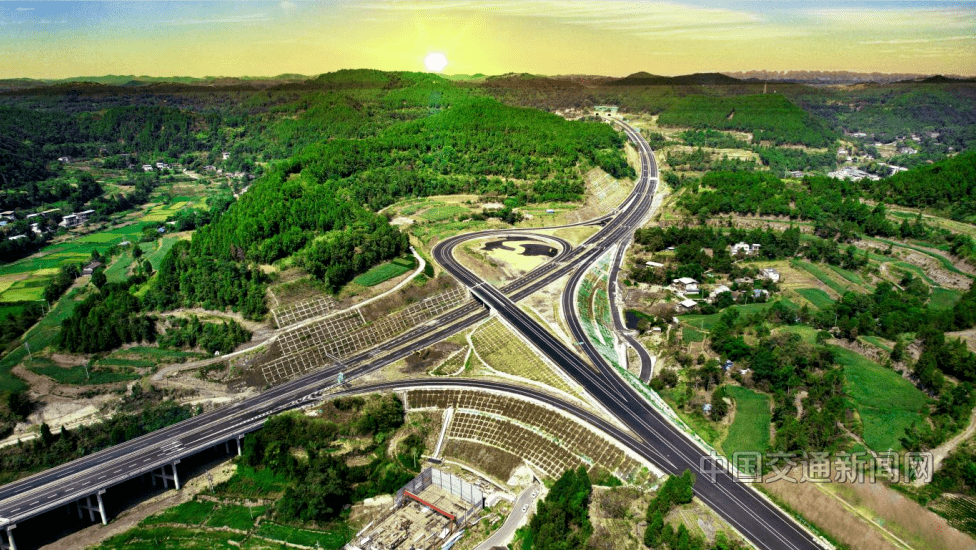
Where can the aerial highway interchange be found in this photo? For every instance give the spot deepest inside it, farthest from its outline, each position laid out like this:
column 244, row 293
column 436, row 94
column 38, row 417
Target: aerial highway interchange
column 642, row 429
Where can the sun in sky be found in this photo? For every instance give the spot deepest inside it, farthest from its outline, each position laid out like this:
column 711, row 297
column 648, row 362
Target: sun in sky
column 435, row 62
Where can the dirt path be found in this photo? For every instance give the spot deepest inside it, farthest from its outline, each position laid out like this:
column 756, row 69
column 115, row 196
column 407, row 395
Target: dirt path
column 939, row 453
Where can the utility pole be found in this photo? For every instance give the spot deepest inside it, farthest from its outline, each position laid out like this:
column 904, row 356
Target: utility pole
column 210, row 479
column 31, row 355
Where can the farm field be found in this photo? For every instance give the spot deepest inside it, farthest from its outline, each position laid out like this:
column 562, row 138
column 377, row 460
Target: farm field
column 749, row 431
column 25, row 279
column 386, row 271
column 707, row 322
column 886, row 402
column 815, row 296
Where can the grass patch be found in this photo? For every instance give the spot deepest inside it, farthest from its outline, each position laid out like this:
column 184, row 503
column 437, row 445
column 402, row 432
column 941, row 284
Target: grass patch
column 942, row 299
column 235, row 517
column 159, row 353
column 194, row 512
column 170, row 538
column 749, row 431
column 877, row 342
column 328, row 540
column 886, row 402
column 250, row 483
column 817, row 297
column 505, row 352
column 122, row 362
column 80, row 376
column 440, row 213
column 807, row 334
column 386, row 271
column 916, row 271
column 707, row 322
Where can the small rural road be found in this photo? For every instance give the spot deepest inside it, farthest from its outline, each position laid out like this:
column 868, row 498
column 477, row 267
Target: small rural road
column 506, row 532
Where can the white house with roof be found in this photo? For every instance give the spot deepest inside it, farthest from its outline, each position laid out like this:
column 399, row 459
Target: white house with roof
column 687, row 304
column 718, row 290
column 685, row 284
column 654, row 264
column 770, row 274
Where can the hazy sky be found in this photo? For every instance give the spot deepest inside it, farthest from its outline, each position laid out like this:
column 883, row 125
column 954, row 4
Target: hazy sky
column 612, row 37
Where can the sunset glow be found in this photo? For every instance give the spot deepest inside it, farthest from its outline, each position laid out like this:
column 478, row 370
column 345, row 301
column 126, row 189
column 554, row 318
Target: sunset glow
column 610, row 37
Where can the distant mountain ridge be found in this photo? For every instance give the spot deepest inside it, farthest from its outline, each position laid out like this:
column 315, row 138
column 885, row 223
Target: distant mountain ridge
column 134, row 81
column 697, row 79
column 843, row 77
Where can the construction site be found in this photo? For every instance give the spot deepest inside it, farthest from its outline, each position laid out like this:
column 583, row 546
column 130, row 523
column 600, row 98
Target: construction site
column 429, row 513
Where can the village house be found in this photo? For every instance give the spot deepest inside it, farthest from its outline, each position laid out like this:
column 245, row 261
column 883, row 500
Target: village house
column 685, row 284
column 770, row 274
column 718, row 290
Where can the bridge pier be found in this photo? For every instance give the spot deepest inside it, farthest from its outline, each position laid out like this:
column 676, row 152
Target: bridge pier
column 166, row 477
column 10, row 544
column 240, row 440
column 92, row 508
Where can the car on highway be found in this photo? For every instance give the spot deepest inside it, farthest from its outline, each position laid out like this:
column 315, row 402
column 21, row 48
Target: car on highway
column 524, row 508
column 535, row 493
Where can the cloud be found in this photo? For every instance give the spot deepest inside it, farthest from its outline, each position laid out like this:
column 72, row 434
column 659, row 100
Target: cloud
column 24, row 9
column 286, row 5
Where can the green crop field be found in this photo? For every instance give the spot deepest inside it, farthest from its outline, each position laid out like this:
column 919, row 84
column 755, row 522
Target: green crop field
column 689, row 334
column 749, row 431
column 439, row 213
column 386, row 271
column 156, row 256
column 44, row 267
column 815, row 296
column 886, row 402
column 820, row 274
column 847, row 274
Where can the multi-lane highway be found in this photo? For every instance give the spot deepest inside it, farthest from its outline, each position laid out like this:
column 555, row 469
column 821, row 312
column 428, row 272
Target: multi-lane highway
column 764, row 525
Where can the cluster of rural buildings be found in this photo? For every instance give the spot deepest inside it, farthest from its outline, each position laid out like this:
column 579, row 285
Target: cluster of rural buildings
column 685, row 286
